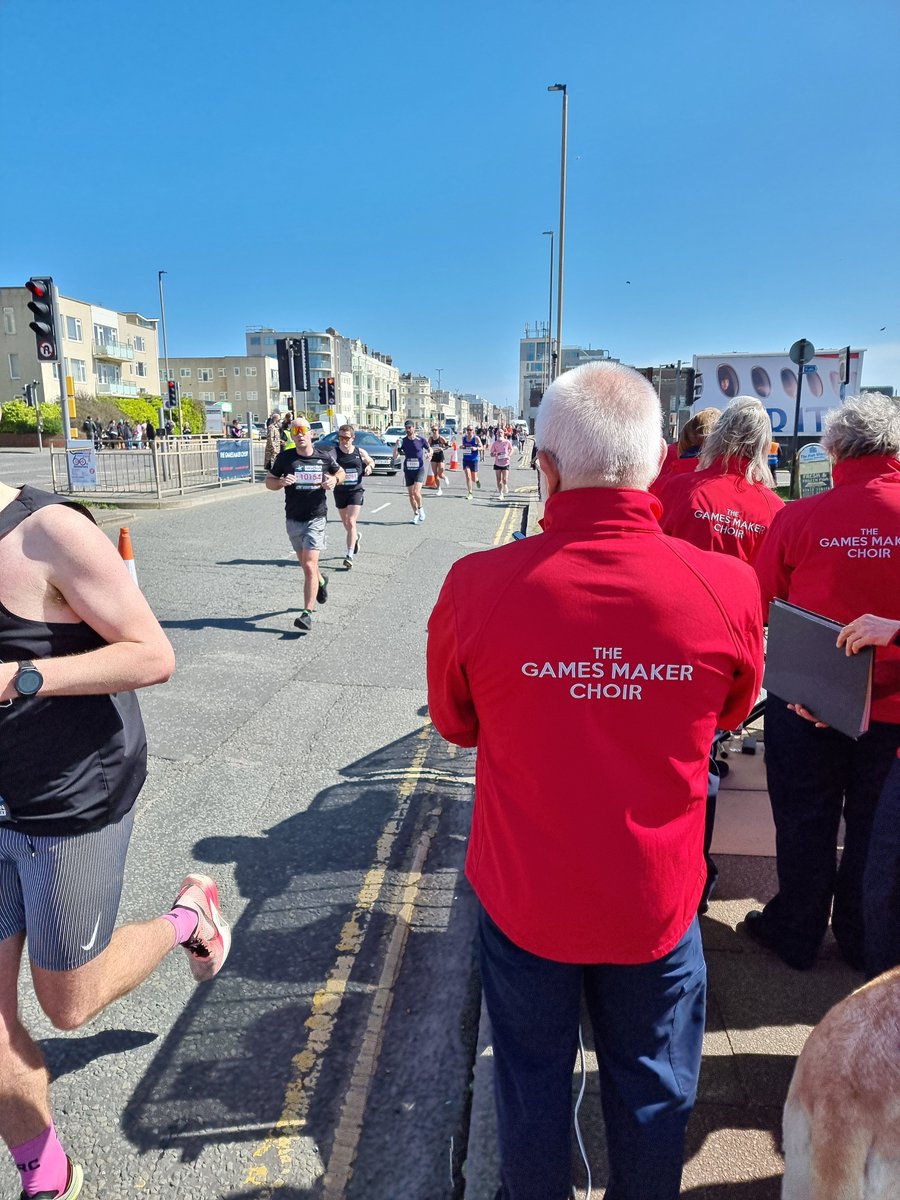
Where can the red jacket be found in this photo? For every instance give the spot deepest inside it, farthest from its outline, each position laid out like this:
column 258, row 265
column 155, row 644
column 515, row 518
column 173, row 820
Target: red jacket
column 622, row 651
column 717, row 509
column 838, row 554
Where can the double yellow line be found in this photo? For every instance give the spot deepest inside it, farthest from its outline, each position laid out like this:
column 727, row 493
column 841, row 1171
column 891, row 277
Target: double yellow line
column 507, row 526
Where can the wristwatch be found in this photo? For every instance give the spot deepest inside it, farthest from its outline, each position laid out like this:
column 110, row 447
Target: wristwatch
column 28, row 680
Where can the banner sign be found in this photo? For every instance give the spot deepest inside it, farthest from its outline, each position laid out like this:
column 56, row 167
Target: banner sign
column 82, row 463
column 814, row 469
column 233, row 456
column 772, row 379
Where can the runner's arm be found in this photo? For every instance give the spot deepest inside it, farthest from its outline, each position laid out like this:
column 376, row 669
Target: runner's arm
column 86, row 570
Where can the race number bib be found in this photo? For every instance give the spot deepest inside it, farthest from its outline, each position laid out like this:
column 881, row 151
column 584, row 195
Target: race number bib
column 308, row 477
column 351, row 475
column 413, row 464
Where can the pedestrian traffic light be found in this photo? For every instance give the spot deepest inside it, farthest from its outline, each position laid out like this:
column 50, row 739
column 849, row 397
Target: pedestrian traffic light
column 44, row 323
column 31, row 394
column 172, row 397
column 329, row 390
column 323, row 392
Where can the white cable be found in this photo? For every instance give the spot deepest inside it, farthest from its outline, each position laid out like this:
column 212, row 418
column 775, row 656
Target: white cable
column 584, row 1157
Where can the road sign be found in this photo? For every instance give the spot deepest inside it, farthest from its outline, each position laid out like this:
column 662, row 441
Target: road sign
column 802, row 352
column 810, row 370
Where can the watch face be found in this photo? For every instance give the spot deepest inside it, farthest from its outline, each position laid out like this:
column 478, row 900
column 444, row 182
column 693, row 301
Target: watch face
column 28, row 681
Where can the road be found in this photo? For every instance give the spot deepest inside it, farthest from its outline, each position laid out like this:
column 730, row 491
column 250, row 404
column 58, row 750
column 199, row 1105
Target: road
column 332, row 1057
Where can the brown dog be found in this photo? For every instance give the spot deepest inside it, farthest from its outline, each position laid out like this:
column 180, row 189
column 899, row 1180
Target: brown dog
column 842, row 1114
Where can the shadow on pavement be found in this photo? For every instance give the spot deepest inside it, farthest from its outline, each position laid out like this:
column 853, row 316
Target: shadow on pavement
column 238, row 624
column 66, row 1054
column 227, row 1072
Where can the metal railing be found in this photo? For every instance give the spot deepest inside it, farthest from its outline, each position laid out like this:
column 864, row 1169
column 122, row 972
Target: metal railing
column 173, row 467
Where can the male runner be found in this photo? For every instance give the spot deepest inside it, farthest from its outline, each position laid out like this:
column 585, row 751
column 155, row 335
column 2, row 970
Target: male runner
column 349, row 495
column 415, row 451
column 305, row 475
column 77, row 638
column 472, row 446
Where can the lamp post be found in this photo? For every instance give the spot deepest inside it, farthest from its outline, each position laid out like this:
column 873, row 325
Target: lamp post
column 162, row 313
column 561, row 87
column 551, row 235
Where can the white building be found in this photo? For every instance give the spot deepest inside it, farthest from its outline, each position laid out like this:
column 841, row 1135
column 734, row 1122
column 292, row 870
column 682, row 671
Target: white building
column 106, row 353
column 535, row 360
column 416, row 400
column 233, row 384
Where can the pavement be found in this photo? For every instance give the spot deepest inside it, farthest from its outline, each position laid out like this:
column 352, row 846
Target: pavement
column 759, row 1014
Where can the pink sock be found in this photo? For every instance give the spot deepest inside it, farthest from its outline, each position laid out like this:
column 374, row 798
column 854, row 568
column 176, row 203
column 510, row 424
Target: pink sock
column 184, row 921
column 42, row 1163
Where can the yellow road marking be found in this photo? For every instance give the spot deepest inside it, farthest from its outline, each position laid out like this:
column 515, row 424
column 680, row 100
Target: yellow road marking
column 306, row 1065
column 503, row 533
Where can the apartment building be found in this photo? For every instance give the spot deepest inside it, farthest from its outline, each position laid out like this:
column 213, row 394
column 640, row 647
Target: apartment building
column 107, row 353
column 416, row 400
column 233, row 383
column 329, row 358
column 535, row 351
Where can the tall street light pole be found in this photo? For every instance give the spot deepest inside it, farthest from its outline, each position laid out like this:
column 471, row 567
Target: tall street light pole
column 551, row 235
column 162, row 313
column 561, row 87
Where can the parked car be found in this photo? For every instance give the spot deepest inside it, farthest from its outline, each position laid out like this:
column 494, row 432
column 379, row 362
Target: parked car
column 377, row 449
column 393, row 434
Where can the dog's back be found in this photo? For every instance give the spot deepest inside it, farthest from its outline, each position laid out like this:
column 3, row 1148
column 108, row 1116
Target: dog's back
column 842, row 1115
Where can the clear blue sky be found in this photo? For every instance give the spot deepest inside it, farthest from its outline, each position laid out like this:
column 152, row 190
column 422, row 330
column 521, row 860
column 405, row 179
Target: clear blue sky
column 387, row 168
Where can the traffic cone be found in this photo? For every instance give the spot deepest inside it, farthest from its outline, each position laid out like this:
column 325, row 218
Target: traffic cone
column 454, row 461
column 127, row 552
column 431, row 482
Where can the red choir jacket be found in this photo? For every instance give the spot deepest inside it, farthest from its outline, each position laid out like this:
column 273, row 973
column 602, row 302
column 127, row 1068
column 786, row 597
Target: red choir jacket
column 672, row 468
column 622, row 651
column 717, row 509
column 838, row 554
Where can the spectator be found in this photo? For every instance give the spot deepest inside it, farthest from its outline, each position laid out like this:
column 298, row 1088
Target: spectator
column 590, row 886
column 681, row 456
column 150, row 432
column 186, row 430
column 138, row 435
column 833, row 554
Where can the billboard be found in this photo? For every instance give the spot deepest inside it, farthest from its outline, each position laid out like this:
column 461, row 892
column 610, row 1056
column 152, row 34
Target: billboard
column 772, row 379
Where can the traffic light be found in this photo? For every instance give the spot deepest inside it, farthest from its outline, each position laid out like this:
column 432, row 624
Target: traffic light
column 172, row 397
column 31, row 394
column 844, row 365
column 329, row 390
column 323, row 392
column 44, row 323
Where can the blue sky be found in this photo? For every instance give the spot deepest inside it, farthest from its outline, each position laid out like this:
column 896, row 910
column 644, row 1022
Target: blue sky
column 734, row 172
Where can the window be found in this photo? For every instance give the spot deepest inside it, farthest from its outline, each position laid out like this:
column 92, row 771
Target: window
column 223, row 371
column 140, row 368
column 77, row 370
column 255, row 341
column 237, row 397
column 252, row 397
column 9, row 320
column 207, row 397
column 105, row 335
column 250, row 372
column 13, row 366
column 185, row 372
column 73, row 329
column 269, row 341
column 139, row 342
column 237, row 372
column 204, row 374
column 223, row 397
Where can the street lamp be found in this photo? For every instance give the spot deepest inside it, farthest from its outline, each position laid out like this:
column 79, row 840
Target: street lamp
column 550, row 234
column 561, row 87
column 162, row 313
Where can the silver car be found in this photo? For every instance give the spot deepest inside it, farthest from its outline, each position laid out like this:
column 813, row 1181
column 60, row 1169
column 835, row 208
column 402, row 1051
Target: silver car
column 378, row 450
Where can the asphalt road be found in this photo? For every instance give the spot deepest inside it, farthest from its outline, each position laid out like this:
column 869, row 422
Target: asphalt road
column 332, row 1057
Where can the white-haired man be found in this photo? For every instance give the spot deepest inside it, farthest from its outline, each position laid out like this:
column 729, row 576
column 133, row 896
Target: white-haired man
column 727, row 504
column 837, row 554
column 587, row 854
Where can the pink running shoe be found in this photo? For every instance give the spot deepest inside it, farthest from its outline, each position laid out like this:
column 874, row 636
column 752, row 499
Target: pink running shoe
column 208, row 947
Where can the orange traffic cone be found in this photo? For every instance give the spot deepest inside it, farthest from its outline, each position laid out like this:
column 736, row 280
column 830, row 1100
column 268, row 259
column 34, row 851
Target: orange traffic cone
column 127, row 552
column 454, row 461
column 431, row 482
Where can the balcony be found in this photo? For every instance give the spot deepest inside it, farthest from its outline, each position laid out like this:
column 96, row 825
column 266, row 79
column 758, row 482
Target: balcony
column 116, row 389
column 113, row 351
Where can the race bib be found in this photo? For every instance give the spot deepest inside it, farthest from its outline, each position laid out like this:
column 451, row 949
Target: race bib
column 308, row 477
column 351, row 475
column 413, row 464
column 503, row 462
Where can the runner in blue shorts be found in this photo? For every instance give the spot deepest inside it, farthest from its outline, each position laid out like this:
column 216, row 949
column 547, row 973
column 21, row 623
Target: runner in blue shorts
column 472, row 447
column 415, row 450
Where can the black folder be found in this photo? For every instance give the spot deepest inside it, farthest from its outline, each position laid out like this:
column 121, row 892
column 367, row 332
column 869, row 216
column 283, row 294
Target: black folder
column 804, row 666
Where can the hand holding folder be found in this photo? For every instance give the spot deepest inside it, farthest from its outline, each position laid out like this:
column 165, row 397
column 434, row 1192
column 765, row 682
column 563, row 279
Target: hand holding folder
column 805, row 666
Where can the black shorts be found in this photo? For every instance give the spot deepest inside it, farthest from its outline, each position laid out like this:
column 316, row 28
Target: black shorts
column 437, row 456
column 412, row 477
column 354, row 496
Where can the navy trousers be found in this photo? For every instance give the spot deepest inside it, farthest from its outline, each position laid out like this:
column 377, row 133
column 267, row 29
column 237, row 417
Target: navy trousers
column 881, row 881
column 815, row 776
column 648, row 1032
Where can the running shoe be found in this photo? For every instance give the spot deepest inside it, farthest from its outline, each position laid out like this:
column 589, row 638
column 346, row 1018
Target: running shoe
column 356, row 544
column 478, row 483
column 348, row 561
column 74, row 1180
column 468, row 495
column 421, row 514
column 322, row 593
column 415, row 519
column 304, row 621
column 208, row 946
column 439, row 492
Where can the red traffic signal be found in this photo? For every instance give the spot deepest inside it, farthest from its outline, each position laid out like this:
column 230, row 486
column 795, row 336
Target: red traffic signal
column 44, row 323
column 329, row 385
column 323, row 394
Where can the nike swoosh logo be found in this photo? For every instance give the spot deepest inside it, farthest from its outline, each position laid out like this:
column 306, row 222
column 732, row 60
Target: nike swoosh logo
column 90, row 944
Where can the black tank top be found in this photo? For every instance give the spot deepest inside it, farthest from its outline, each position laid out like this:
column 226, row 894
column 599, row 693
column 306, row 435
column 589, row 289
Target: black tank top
column 353, row 466
column 67, row 763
